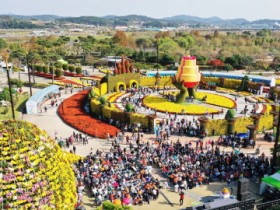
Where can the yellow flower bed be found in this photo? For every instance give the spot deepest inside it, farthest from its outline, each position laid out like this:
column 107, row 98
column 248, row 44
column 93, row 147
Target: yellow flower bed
column 161, row 104
column 241, row 123
column 107, row 111
column 217, row 100
column 38, row 173
column 139, row 118
column 113, row 97
column 80, row 82
column 219, row 126
column 213, row 99
column 266, row 122
column 269, row 108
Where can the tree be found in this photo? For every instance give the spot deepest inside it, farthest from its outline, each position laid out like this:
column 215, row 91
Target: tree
column 33, row 59
column 216, row 63
column 123, row 40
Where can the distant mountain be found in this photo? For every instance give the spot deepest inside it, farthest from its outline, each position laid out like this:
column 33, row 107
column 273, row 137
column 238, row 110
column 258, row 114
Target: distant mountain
column 8, row 22
column 35, row 17
column 138, row 20
column 208, row 21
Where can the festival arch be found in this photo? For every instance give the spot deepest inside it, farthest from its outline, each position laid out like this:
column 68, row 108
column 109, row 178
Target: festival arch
column 133, row 84
column 120, row 86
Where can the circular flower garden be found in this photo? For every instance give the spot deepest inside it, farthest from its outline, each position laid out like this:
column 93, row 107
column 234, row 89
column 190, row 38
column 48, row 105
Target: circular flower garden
column 34, row 172
column 205, row 103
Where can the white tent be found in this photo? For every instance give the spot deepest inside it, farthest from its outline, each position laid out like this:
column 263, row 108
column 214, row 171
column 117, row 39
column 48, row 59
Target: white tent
column 273, row 181
column 39, row 97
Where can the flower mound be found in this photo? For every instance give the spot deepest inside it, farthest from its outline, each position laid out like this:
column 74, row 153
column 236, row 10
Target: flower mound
column 34, row 172
column 163, row 105
column 71, row 111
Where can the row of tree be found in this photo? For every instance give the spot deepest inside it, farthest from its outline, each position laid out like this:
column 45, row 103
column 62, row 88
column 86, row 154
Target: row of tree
column 220, row 50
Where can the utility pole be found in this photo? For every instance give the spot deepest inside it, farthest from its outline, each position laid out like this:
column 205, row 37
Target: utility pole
column 274, row 160
column 28, row 72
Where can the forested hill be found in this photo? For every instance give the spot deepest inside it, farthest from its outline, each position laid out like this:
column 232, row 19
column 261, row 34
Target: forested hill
column 8, row 22
column 45, row 21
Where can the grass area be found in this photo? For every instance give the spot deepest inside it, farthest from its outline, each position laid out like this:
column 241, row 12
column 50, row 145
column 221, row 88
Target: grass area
column 6, row 112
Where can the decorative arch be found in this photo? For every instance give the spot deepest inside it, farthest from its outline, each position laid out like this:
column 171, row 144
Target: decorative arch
column 120, row 86
column 132, row 82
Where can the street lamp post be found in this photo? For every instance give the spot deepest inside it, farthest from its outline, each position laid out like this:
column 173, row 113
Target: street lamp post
column 138, row 130
column 10, row 90
column 28, row 72
column 274, row 161
column 52, row 74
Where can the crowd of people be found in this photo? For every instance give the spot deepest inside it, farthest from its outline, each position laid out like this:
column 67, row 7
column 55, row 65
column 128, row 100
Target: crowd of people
column 124, row 173
column 119, row 176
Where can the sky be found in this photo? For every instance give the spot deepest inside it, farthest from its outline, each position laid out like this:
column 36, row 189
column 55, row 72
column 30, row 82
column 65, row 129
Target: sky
column 226, row 9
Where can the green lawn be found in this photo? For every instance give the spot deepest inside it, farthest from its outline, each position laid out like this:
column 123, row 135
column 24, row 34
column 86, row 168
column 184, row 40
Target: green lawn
column 19, row 104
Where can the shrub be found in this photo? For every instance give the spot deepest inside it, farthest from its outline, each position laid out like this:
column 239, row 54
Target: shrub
column 18, row 83
column 71, row 68
column 129, row 107
column 230, row 114
column 58, row 72
column 45, row 69
column 39, row 68
column 65, row 67
column 102, row 100
column 78, row 70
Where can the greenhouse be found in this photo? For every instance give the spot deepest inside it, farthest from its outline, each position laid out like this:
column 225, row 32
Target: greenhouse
column 39, row 97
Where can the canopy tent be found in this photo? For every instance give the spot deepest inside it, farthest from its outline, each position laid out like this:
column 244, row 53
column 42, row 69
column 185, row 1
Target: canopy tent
column 273, row 181
column 35, row 101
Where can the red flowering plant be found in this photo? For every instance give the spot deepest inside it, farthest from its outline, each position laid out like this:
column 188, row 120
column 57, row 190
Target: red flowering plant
column 71, row 112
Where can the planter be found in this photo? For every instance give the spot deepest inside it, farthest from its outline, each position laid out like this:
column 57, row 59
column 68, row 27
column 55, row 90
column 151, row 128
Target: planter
column 252, row 131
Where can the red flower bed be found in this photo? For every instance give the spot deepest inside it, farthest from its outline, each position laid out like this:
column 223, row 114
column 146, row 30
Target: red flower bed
column 71, row 112
column 71, row 74
column 48, row 76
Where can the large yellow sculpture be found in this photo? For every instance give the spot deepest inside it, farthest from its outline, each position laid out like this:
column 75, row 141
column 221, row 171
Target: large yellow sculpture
column 187, row 78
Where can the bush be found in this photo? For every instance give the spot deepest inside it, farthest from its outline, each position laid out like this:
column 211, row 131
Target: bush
column 45, row 69
column 39, row 68
column 58, row 72
column 107, row 205
column 16, row 82
column 129, row 107
column 65, row 67
column 102, row 100
column 71, row 68
column 78, row 70
column 230, row 114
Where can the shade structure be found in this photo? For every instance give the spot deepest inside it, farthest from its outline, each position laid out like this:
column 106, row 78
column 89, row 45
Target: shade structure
column 39, row 97
column 273, row 181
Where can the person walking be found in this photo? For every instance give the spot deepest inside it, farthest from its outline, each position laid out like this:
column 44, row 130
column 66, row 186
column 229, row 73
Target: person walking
column 74, row 149
column 182, row 196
